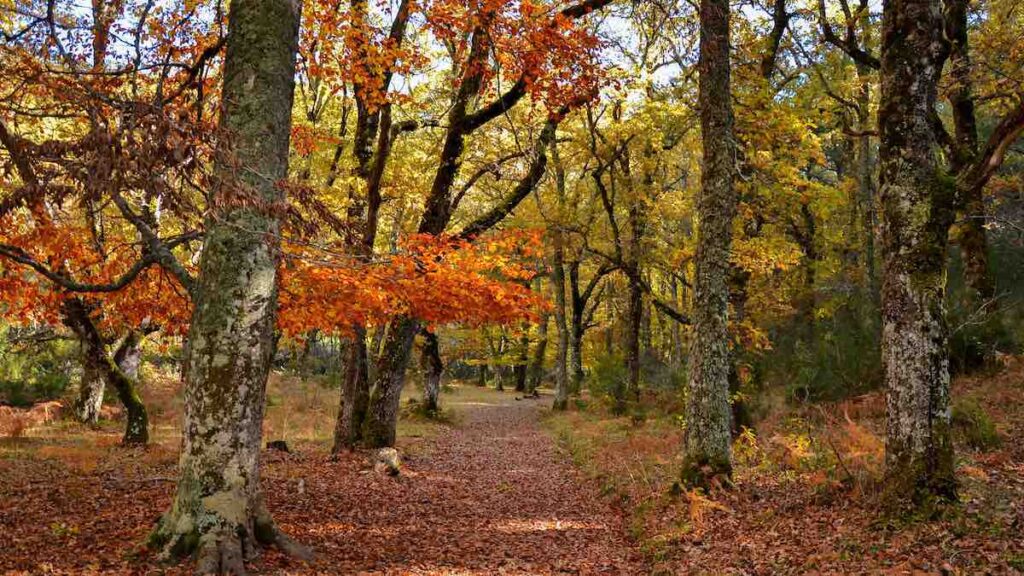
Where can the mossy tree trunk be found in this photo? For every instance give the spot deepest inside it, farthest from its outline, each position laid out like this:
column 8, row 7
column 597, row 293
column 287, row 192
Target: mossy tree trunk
column 707, row 451
column 120, row 372
column 917, row 206
column 218, row 510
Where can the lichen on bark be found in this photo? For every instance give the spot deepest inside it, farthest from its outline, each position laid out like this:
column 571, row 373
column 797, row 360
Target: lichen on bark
column 917, row 209
column 707, row 444
column 218, row 510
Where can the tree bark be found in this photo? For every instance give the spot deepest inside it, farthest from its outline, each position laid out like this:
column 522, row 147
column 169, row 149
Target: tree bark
column 90, row 393
column 98, row 361
column 380, row 428
column 917, row 201
column 558, row 286
column 707, row 452
column 433, row 370
column 218, row 510
column 519, row 371
column 539, row 353
column 355, row 394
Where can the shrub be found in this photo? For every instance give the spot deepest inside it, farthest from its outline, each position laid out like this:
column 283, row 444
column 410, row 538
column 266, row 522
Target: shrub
column 974, row 426
column 609, row 379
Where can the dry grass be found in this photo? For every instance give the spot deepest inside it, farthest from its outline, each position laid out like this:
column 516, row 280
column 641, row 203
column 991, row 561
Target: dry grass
column 806, row 490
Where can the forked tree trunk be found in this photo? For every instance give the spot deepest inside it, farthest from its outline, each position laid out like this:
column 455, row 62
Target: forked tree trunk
column 380, row 427
column 90, row 393
column 355, row 394
column 76, row 316
column 917, row 201
column 218, row 510
column 706, row 452
column 433, row 370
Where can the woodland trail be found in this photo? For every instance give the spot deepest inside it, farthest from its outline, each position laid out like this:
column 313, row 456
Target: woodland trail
column 489, row 496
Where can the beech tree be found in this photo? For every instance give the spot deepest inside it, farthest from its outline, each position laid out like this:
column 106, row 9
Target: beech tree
column 218, row 510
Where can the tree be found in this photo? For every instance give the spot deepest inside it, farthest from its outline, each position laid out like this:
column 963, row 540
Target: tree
column 707, row 450
column 917, row 201
column 218, row 510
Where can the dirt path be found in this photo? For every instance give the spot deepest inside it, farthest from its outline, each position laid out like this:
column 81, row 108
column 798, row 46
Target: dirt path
column 491, row 496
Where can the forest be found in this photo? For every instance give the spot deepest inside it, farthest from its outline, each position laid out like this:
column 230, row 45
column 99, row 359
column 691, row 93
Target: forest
column 531, row 287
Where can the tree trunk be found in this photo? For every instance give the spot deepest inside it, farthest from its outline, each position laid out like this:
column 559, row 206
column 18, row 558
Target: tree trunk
column 707, row 451
column 381, row 425
column 917, row 211
column 539, row 353
column 90, row 393
column 634, row 320
column 973, row 240
column 433, row 369
column 218, row 510
column 519, row 371
column 576, row 349
column 481, row 375
column 558, row 285
column 97, row 360
column 355, row 394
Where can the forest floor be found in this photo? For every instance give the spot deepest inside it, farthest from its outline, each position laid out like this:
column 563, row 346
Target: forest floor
column 808, row 487
column 493, row 490
column 488, row 494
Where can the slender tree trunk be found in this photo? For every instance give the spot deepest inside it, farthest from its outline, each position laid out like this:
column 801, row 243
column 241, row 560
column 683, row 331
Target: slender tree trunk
column 558, row 286
column 218, row 510
column 519, row 371
column 576, row 350
column 917, row 211
column 539, row 353
column 634, row 321
column 433, row 369
column 973, row 239
column 707, row 451
column 481, row 375
column 90, row 393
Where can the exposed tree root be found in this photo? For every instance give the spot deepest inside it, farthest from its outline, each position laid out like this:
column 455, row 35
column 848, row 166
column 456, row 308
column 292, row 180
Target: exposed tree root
column 222, row 547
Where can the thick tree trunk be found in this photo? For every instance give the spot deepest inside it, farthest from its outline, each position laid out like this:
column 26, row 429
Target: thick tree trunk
column 917, row 211
column 218, row 509
column 707, row 451
column 433, row 370
column 90, row 393
column 355, row 394
column 380, row 428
